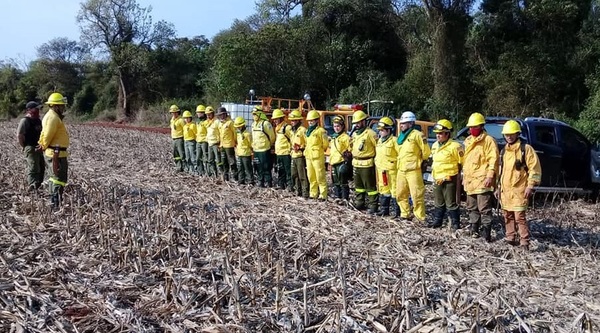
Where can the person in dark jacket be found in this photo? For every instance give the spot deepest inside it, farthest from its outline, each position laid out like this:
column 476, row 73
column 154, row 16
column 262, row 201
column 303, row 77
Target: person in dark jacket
column 28, row 134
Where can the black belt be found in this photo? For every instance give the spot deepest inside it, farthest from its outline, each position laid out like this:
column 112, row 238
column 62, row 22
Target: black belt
column 58, row 148
column 363, row 158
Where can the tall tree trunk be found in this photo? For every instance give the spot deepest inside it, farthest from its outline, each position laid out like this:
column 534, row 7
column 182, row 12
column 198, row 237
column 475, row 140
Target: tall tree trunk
column 124, row 107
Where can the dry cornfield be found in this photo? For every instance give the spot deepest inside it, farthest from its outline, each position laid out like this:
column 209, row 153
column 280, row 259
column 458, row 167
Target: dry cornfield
column 140, row 248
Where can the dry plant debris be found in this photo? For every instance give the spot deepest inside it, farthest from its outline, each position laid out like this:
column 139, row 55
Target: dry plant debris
column 140, row 248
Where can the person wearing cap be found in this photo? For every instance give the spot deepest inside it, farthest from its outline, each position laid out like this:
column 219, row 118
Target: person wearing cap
column 340, row 159
column 189, row 136
column 317, row 143
column 479, row 172
column 385, row 165
column 447, row 156
column 413, row 150
column 263, row 139
column 283, row 148
column 28, row 135
column 520, row 172
column 54, row 141
column 213, row 137
column 298, row 169
column 227, row 144
column 243, row 151
column 201, row 144
column 176, row 125
column 364, row 143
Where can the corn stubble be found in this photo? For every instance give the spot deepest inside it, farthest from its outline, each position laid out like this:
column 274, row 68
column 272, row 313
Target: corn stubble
column 140, row 248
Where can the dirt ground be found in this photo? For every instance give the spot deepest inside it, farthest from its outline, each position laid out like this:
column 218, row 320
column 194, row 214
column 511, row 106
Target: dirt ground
column 138, row 247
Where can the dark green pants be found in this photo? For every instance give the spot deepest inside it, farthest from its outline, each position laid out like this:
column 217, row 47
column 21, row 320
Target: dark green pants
column 58, row 180
column 213, row 161
column 299, row 176
column 35, row 166
column 284, row 171
column 201, row 155
column 264, row 168
column 229, row 163
column 340, row 181
column 365, row 183
column 444, row 195
column 178, row 153
column 245, row 170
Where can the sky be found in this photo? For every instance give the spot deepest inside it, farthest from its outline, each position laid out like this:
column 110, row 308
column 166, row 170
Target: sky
column 27, row 24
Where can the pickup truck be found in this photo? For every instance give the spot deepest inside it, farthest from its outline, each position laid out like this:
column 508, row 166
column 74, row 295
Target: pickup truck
column 570, row 163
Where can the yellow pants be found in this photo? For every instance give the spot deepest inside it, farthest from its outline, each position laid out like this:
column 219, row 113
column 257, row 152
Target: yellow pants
column 315, row 170
column 387, row 186
column 410, row 184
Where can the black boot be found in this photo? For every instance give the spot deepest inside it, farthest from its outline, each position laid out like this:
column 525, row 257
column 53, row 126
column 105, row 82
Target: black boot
column 373, row 202
column 486, row 231
column 438, row 217
column 455, row 218
column 337, row 191
column 384, row 205
column 345, row 192
column 474, row 230
column 359, row 201
column 394, row 208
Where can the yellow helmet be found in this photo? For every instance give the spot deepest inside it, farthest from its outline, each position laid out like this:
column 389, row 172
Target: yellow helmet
column 56, row 99
column 187, row 114
column 173, row 108
column 511, row 127
column 209, row 109
column 256, row 109
column 295, row 115
column 476, row 119
column 337, row 120
column 239, row 122
column 385, row 122
column 358, row 116
column 312, row 115
column 277, row 113
column 443, row 125
column 200, row 108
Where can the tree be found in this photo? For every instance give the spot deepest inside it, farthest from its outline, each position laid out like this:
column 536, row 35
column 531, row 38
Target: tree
column 126, row 32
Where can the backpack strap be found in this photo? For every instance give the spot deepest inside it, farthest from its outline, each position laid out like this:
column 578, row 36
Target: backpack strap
column 523, row 161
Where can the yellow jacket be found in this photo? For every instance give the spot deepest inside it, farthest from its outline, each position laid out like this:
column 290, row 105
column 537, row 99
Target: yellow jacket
column 263, row 136
column 54, row 134
column 201, row 131
column 244, row 144
column 189, row 131
column 480, row 162
column 413, row 151
column 316, row 144
column 364, row 148
column 386, row 154
column 227, row 133
column 339, row 145
column 447, row 159
column 513, row 182
column 176, row 125
column 283, row 140
column 299, row 139
column 212, row 131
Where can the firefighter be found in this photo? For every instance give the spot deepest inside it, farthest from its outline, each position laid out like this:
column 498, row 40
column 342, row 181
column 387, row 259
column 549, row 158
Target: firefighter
column 243, row 151
column 340, row 159
column 28, row 135
column 364, row 143
column 479, row 170
column 447, row 156
column 385, row 165
column 316, row 145
column 212, row 138
column 263, row 139
column 283, row 148
column 201, row 144
column 177, row 136
column 520, row 172
column 413, row 150
column 189, row 136
column 227, row 143
column 54, row 141
column 298, row 170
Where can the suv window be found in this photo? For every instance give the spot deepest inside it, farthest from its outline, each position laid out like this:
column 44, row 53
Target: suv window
column 328, row 124
column 545, row 135
column 572, row 141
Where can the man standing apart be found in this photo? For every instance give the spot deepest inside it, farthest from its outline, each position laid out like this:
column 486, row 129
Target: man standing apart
column 201, row 144
column 263, row 138
column 54, row 141
column 177, row 124
column 28, row 135
column 412, row 151
column 212, row 138
column 227, row 144
column 283, row 148
column 298, row 170
column 479, row 170
column 520, row 172
column 364, row 143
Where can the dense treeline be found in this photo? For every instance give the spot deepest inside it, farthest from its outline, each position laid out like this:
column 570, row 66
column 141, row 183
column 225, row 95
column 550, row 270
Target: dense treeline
column 440, row 58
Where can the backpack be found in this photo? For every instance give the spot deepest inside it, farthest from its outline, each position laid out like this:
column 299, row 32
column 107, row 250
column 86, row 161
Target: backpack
column 519, row 163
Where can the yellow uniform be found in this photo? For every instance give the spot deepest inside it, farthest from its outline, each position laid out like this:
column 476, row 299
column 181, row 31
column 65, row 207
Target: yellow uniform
column 447, row 159
column 364, row 146
column 298, row 173
column 201, row 131
column 480, row 162
column 177, row 127
column 263, row 136
column 244, row 144
column 54, row 134
column 316, row 145
column 283, row 144
column 385, row 163
column 227, row 134
column 513, row 182
column 412, row 151
column 213, row 135
column 201, row 148
column 189, row 132
column 299, row 141
column 339, row 145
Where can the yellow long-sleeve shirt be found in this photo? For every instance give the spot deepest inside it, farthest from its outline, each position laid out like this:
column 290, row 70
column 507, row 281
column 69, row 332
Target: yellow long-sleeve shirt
column 316, row 144
column 298, row 140
column 227, row 134
column 189, row 132
column 212, row 131
column 447, row 159
column 339, row 145
column 480, row 162
column 363, row 148
column 283, row 140
column 54, row 134
column 513, row 181
column 177, row 127
column 387, row 154
column 244, row 144
column 413, row 151
column 201, row 131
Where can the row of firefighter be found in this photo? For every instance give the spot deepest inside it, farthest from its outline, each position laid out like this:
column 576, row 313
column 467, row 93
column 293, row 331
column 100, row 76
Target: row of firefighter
column 386, row 169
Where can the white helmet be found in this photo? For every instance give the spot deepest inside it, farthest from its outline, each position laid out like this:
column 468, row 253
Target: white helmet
column 408, row 117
